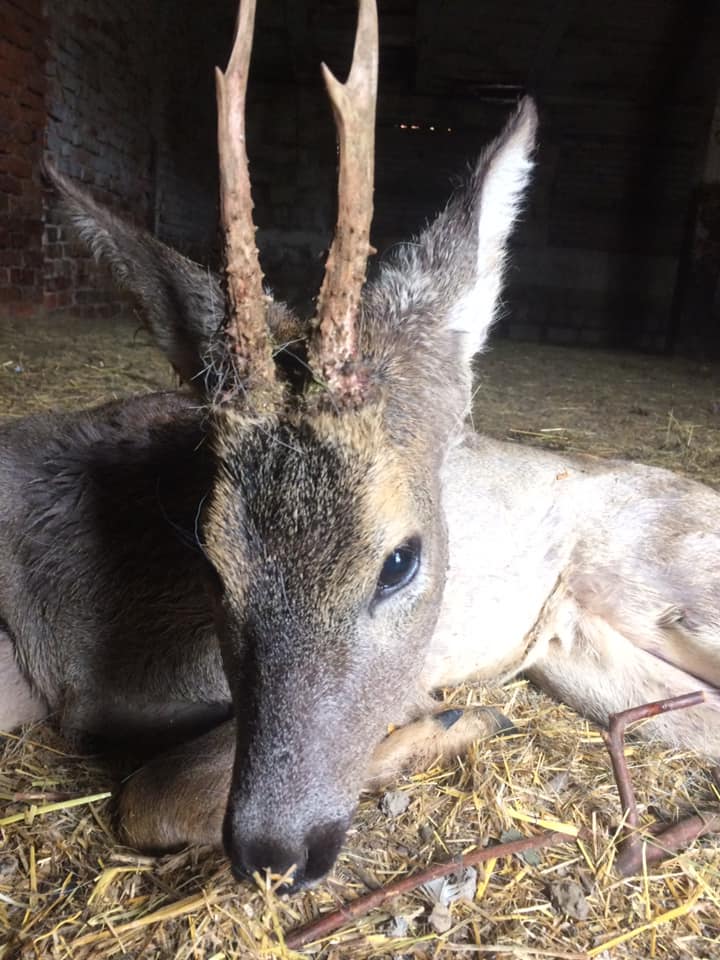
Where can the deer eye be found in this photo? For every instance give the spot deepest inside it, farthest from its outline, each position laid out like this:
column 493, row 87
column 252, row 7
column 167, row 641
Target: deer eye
column 399, row 568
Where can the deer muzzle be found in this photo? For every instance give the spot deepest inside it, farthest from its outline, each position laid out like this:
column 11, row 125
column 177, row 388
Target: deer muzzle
column 303, row 857
column 299, row 767
column 288, row 810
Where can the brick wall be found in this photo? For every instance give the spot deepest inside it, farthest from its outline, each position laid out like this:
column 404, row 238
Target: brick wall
column 22, row 92
column 194, row 38
column 100, row 89
column 290, row 142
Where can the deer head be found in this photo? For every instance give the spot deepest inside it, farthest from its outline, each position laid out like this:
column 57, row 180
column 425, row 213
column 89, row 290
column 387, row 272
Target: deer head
column 324, row 527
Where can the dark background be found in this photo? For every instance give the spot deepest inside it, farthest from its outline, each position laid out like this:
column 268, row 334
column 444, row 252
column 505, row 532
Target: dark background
column 620, row 242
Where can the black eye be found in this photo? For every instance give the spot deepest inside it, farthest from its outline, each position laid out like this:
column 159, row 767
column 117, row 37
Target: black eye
column 399, row 568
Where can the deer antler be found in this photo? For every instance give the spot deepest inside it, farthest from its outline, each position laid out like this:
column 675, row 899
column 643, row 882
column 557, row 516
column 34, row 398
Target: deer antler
column 334, row 352
column 245, row 323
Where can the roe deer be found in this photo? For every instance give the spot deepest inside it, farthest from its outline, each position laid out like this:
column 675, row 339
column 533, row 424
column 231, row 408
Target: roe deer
column 255, row 576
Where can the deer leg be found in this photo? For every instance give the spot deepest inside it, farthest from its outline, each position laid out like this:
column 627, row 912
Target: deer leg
column 179, row 798
column 438, row 736
column 18, row 702
column 598, row 672
column 134, row 726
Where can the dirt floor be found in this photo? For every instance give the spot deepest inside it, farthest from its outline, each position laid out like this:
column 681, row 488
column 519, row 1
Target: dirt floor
column 652, row 409
column 67, row 889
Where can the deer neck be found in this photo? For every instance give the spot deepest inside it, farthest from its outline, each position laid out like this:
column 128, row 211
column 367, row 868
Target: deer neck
column 510, row 527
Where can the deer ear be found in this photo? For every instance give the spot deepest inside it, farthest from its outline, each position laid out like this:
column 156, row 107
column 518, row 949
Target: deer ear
column 493, row 198
column 436, row 297
column 431, row 306
column 181, row 301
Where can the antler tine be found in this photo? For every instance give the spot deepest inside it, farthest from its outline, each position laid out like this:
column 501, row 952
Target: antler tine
column 334, row 352
column 245, row 322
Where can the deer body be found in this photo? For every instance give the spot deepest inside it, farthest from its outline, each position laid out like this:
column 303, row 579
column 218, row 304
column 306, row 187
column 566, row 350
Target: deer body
column 254, row 580
column 535, row 538
column 89, row 502
column 598, row 577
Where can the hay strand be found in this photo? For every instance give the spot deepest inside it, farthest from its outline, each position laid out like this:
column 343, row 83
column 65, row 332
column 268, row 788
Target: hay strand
column 55, row 885
column 27, row 816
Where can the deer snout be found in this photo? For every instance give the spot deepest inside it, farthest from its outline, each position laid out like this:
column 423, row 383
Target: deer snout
column 306, row 858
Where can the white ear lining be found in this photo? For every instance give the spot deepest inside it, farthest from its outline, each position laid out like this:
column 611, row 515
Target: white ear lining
column 508, row 165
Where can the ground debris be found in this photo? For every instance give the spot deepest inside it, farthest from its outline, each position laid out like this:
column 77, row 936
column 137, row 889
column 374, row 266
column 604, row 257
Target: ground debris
column 395, row 802
column 569, row 898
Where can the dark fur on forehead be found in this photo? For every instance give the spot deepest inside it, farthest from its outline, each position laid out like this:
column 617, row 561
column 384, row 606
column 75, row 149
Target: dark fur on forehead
column 299, row 493
column 283, row 467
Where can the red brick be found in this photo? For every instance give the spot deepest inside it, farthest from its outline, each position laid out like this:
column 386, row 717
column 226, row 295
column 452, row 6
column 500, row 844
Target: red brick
column 33, row 115
column 22, row 241
column 26, row 205
column 12, row 67
column 22, row 277
column 25, row 132
column 87, row 24
column 12, row 30
column 39, row 48
column 32, row 100
column 58, row 283
column 33, row 258
column 16, row 166
column 32, row 201
column 28, row 12
column 87, row 296
column 88, row 57
column 30, row 295
column 12, row 112
column 10, row 185
column 57, row 300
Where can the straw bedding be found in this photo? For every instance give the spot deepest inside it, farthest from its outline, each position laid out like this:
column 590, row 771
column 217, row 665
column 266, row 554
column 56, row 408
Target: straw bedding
column 67, row 889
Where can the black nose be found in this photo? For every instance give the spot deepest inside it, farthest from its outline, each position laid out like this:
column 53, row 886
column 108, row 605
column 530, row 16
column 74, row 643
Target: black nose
column 312, row 858
column 262, row 855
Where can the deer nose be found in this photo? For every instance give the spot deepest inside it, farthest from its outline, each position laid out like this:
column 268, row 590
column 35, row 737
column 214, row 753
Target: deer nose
column 311, row 859
column 261, row 855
